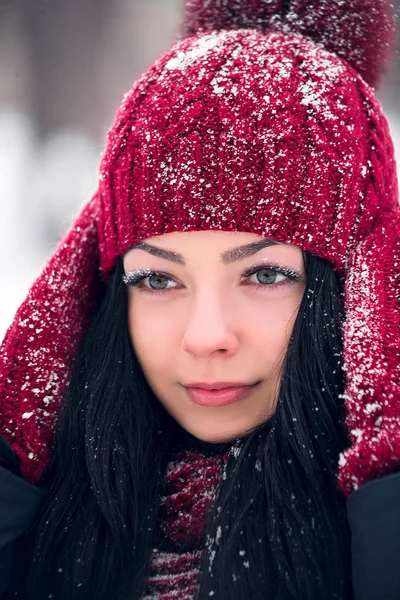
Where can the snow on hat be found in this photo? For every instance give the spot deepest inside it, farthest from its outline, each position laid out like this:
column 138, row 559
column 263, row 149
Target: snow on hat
column 262, row 119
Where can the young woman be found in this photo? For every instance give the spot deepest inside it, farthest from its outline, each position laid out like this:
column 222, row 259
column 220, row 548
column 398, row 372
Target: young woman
column 208, row 367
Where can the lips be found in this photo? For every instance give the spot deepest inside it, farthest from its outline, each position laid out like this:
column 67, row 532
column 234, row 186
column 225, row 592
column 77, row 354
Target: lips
column 218, row 394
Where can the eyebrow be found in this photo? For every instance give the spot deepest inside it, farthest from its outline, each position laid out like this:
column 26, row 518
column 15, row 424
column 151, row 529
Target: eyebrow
column 229, row 256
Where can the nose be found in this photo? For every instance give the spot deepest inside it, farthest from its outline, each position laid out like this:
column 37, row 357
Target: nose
column 209, row 329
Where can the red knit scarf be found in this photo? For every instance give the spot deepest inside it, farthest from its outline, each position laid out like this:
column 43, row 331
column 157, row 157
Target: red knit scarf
column 190, row 485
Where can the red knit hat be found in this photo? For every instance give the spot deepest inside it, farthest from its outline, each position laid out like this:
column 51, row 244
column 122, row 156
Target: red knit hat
column 262, row 120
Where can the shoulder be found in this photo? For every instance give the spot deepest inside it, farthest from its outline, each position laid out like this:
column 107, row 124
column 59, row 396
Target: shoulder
column 19, row 505
column 374, row 518
column 17, row 496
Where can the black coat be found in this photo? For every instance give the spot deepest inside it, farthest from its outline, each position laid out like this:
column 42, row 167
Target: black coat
column 373, row 512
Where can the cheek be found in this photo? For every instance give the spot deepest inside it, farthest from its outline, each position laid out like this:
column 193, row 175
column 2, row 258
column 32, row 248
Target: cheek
column 269, row 325
column 154, row 334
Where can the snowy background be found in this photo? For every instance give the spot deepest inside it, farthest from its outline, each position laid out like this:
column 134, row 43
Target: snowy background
column 64, row 66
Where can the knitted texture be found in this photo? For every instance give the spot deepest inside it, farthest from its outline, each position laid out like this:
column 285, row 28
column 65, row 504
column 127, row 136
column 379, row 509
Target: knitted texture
column 240, row 130
column 173, row 575
column 372, row 359
column 190, row 489
column 191, row 483
column 237, row 131
column 37, row 352
column 360, row 31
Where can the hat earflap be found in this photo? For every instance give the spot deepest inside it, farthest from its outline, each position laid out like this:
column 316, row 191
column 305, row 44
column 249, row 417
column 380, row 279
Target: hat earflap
column 371, row 338
column 38, row 350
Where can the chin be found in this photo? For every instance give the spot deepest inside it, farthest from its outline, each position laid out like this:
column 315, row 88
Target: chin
column 211, row 436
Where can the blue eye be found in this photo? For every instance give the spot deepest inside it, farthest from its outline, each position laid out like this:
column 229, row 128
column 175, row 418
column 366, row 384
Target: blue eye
column 157, row 281
column 265, row 276
column 149, row 280
column 268, row 276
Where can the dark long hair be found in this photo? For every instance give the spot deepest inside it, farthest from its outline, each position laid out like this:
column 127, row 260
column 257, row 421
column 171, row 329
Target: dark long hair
column 278, row 529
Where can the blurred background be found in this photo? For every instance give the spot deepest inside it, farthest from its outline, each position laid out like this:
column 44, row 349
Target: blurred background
column 64, row 66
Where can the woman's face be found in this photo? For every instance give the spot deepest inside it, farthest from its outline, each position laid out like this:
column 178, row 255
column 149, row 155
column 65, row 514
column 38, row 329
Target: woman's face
column 210, row 315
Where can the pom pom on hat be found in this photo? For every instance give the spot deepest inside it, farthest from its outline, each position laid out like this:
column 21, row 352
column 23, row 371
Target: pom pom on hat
column 359, row 31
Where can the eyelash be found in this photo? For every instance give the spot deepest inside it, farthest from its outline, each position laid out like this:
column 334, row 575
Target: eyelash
column 134, row 278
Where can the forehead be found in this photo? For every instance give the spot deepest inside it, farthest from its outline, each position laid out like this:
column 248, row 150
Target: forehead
column 182, row 239
column 227, row 247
